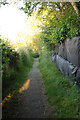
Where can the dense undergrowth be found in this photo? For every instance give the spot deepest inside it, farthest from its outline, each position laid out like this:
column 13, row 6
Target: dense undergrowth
column 62, row 95
column 15, row 66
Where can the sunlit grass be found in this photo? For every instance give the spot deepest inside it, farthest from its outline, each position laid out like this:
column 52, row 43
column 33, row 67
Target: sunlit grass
column 25, row 86
column 11, row 94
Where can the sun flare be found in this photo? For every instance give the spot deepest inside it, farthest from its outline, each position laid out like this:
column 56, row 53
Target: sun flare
column 16, row 25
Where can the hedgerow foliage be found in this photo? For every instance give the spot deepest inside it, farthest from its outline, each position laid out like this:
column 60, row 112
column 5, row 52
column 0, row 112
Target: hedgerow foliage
column 61, row 25
column 13, row 63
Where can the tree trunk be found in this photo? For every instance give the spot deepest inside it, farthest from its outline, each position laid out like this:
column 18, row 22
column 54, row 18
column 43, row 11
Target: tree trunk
column 75, row 7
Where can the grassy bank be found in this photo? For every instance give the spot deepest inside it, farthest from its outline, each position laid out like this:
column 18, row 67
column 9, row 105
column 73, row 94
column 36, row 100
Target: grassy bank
column 61, row 94
column 15, row 80
column 15, row 73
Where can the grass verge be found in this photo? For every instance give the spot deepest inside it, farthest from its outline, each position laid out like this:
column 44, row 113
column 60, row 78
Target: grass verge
column 62, row 95
column 12, row 93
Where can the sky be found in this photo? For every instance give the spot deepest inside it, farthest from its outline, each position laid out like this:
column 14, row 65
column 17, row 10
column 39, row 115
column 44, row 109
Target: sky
column 13, row 21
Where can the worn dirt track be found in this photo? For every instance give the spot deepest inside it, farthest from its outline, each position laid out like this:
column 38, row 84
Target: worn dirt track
column 33, row 101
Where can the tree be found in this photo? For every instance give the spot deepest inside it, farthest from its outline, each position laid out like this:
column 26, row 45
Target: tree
column 75, row 7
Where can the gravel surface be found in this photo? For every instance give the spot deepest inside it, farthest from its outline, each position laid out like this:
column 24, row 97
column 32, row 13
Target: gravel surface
column 32, row 100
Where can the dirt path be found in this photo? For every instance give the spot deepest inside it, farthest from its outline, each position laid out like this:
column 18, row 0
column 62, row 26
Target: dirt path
column 33, row 102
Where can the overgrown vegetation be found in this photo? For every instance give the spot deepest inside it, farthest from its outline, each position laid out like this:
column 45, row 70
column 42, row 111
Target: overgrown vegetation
column 15, row 66
column 62, row 95
column 60, row 26
column 57, row 21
